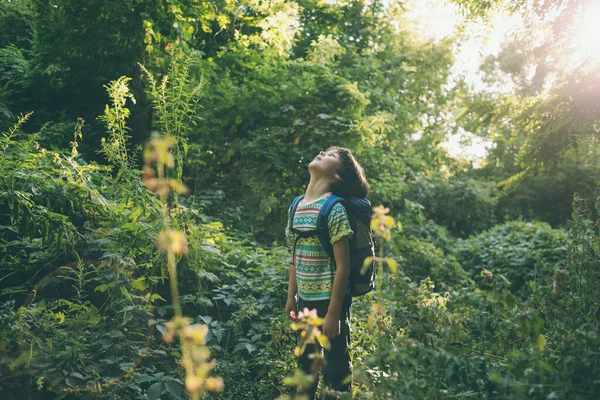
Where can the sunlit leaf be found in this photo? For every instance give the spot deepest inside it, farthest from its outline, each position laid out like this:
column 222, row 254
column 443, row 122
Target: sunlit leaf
column 540, row 342
column 458, row 113
column 366, row 264
column 374, row 223
column 324, row 341
column 392, row 264
column 389, row 222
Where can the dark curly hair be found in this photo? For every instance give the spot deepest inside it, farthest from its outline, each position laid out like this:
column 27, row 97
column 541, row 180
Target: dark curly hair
column 353, row 182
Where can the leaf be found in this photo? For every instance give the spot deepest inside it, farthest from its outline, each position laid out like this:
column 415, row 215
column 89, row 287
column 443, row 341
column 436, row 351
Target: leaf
column 156, row 390
column 504, row 279
column 240, row 346
column 510, row 301
column 101, row 288
column 218, row 334
column 140, row 284
column 130, row 226
column 157, row 296
column 324, row 341
column 126, row 366
column 540, row 342
column 366, row 265
column 210, row 249
column 19, row 360
column 250, row 347
column 161, row 328
column 229, row 301
column 208, row 275
column 392, row 264
column 375, row 223
column 389, row 222
column 297, row 351
column 145, row 378
column 174, row 389
column 296, row 326
column 256, row 337
column 459, row 113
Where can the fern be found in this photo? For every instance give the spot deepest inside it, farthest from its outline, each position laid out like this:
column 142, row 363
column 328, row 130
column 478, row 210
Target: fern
column 176, row 101
column 115, row 116
column 7, row 136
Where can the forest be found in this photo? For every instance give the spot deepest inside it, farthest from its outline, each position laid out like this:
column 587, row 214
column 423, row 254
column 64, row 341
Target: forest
column 150, row 150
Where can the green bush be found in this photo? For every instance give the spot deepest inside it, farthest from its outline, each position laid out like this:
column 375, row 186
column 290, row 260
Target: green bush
column 425, row 249
column 464, row 205
column 548, row 195
column 516, row 250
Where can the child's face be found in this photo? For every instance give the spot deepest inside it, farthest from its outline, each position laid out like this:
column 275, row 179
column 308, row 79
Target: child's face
column 327, row 163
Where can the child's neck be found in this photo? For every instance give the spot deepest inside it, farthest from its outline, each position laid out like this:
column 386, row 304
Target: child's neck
column 316, row 188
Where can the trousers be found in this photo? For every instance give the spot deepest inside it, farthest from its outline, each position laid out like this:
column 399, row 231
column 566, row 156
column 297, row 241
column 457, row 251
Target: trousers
column 337, row 370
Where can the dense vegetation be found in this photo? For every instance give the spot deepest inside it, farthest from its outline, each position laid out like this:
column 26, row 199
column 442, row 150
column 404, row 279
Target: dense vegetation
column 150, row 150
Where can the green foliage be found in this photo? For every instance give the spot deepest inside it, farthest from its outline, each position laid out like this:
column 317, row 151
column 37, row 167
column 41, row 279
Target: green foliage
column 539, row 111
column 245, row 287
column 176, row 103
column 80, row 63
column 518, row 251
column 548, row 195
column 115, row 116
column 61, row 237
column 61, row 336
column 583, row 253
column 15, row 79
column 465, row 206
column 16, row 40
column 252, row 90
column 483, row 341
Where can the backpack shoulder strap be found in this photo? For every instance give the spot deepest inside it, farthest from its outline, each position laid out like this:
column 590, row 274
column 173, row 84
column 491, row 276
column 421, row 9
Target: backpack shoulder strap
column 293, row 208
column 323, row 225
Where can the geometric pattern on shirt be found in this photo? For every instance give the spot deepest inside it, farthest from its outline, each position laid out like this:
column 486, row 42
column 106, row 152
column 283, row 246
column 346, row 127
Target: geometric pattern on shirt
column 314, row 270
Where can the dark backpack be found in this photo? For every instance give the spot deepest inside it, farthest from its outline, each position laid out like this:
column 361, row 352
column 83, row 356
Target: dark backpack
column 362, row 243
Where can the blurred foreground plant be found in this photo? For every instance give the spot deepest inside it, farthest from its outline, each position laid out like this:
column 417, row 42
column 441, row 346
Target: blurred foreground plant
column 308, row 324
column 382, row 225
column 158, row 159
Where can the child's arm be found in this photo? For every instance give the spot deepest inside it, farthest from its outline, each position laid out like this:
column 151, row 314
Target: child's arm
column 290, row 307
column 341, row 254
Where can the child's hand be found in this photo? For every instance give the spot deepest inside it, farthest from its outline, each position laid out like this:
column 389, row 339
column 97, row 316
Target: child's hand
column 291, row 311
column 331, row 326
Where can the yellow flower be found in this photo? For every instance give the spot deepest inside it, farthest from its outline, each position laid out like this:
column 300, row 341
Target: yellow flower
column 173, row 241
column 486, row 274
column 214, row 384
column 193, row 383
column 196, row 333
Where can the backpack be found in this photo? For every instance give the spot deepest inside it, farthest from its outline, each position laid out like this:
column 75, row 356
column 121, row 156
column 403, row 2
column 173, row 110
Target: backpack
column 362, row 243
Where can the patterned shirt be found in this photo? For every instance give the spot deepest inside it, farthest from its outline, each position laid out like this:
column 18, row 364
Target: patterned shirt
column 314, row 269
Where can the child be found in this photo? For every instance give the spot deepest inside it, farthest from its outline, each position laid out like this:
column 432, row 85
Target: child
column 318, row 282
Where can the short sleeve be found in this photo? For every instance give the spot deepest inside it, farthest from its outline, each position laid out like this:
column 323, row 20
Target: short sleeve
column 339, row 225
column 288, row 234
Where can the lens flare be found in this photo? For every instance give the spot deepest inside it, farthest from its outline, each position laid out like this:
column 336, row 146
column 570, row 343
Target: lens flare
column 588, row 34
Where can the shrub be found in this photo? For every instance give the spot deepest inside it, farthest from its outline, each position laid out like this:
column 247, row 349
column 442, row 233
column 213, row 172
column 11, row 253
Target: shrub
column 463, row 205
column 517, row 250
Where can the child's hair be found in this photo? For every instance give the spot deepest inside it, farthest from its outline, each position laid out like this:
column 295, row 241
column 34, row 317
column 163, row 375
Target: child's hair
column 353, row 182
